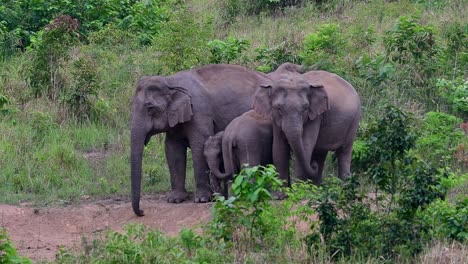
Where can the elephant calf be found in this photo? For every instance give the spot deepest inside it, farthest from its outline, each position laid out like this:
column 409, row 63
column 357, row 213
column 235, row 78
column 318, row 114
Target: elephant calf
column 247, row 139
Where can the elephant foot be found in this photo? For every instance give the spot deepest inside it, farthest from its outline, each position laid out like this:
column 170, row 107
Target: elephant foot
column 177, row 196
column 277, row 195
column 203, row 195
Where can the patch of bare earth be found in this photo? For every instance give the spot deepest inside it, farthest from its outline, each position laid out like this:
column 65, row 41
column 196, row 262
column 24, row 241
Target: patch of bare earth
column 38, row 232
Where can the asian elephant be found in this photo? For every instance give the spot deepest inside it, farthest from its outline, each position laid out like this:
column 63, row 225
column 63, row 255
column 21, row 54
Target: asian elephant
column 188, row 106
column 247, row 139
column 312, row 113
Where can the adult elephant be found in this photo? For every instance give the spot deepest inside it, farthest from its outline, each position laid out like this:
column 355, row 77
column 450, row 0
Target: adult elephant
column 312, row 113
column 188, row 106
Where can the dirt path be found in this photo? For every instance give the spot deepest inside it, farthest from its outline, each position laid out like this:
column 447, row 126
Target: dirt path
column 38, row 232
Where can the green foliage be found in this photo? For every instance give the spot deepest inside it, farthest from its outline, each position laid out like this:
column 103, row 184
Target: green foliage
column 24, row 18
column 79, row 96
column 413, row 47
column 254, row 7
column 363, row 38
column 228, row 50
column 455, row 93
column 137, row 244
column 247, row 207
column 272, row 58
column 378, row 71
column 8, row 252
column 182, row 42
column 447, row 219
column 409, row 41
column 387, row 141
column 147, row 18
column 50, row 52
column 5, row 109
column 322, row 47
column 439, row 137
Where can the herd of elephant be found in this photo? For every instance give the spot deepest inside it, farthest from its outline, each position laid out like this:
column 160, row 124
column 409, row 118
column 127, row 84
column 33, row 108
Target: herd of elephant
column 229, row 115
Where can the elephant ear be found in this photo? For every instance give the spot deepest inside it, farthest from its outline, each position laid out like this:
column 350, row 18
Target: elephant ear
column 180, row 107
column 318, row 101
column 262, row 101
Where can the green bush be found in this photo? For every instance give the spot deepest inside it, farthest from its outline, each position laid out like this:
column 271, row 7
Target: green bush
column 439, row 137
column 182, row 42
column 377, row 70
column 323, row 47
column 137, row 244
column 78, row 98
column 455, row 93
column 8, row 252
column 228, row 50
column 271, row 58
column 50, row 52
column 245, row 209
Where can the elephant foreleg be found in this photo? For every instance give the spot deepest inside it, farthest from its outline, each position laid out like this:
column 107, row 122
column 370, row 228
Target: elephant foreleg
column 176, row 155
column 203, row 193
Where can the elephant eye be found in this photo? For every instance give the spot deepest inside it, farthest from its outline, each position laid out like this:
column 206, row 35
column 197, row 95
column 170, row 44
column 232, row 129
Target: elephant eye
column 278, row 109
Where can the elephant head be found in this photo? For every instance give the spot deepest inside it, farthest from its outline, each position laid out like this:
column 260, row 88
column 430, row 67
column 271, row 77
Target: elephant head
column 292, row 101
column 157, row 106
column 214, row 155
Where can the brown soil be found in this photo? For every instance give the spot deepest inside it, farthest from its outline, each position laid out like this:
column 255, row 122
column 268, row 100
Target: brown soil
column 38, row 232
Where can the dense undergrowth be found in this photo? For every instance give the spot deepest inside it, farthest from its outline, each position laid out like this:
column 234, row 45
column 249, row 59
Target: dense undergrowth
column 67, row 75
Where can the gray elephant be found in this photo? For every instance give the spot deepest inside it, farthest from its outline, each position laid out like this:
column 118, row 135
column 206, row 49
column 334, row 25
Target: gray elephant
column 247, row 139
column 312, row 113
column 188, row 106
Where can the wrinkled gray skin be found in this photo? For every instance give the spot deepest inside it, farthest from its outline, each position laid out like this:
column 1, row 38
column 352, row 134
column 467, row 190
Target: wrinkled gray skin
column 312, row 113
column 247, row 139
column 188, row 106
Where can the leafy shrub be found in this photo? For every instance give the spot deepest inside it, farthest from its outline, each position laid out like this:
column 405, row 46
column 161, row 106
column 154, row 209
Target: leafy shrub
column 387, row 141
column 321, row 48
column 137, row 244
column 439, row 137
column 409, row 41
column 245, row 209
column 182, row 42
column 228, row 50
column 456, row 37
column 79, row 96
column 8, row 253
column 413, row 47
column 455, row 93
column 5, row 109
column 378, row 71
column 147, row 18
column 272, row 58
column 50, row 52
column 363, row 38
column 23, row 18
column 447, row 219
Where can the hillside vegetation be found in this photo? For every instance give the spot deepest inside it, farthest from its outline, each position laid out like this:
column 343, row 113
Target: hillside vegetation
column 67, row 76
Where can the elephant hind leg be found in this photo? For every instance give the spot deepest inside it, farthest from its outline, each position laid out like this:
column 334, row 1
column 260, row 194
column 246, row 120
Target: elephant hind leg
column 318, row 162
column 344, row 155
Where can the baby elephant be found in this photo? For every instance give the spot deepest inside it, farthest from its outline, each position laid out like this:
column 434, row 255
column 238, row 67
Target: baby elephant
column 247, row 139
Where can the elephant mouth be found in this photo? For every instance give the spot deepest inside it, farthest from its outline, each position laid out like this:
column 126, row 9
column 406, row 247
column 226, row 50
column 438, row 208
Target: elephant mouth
column 154, row 110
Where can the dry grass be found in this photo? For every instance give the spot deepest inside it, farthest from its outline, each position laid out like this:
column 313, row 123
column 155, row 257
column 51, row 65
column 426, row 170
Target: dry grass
column 444, row 253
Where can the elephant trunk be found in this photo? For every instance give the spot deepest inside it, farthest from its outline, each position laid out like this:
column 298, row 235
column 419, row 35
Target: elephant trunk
column 293, row 134
column 138, row 137
column 215, row 167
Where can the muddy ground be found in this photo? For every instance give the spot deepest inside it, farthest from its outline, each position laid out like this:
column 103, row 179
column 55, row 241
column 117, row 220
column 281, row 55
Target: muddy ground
column 38, row 232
